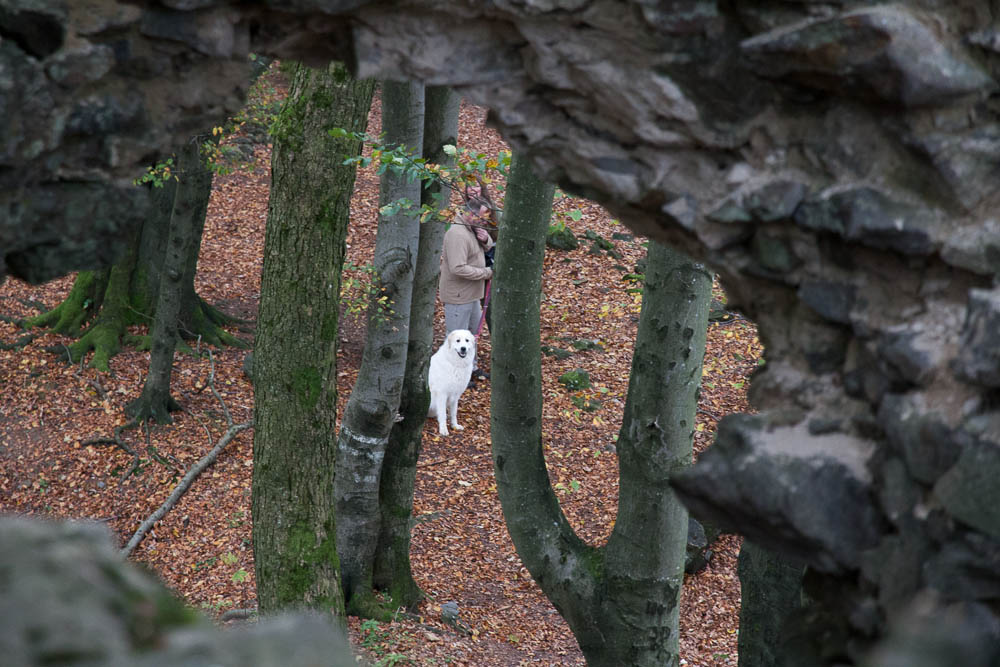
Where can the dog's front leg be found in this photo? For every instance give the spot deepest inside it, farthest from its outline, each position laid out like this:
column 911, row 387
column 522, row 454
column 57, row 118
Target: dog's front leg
column 453, row 413
column 438, row 402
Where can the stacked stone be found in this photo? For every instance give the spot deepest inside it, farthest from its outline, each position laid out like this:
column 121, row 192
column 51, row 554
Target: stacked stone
column 835, row 162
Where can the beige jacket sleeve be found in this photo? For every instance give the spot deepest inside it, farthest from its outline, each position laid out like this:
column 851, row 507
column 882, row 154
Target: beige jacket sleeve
column 463, row 267
column 464, row 257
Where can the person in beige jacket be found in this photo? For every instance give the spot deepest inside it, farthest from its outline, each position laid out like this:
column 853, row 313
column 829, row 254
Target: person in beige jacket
column 464, row 272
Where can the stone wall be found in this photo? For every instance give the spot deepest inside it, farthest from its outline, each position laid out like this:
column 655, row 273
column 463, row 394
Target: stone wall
column 836, row 162
column 68, row 598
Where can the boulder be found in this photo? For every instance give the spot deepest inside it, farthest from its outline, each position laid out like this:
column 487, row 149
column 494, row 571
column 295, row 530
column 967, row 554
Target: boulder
column 68, row 598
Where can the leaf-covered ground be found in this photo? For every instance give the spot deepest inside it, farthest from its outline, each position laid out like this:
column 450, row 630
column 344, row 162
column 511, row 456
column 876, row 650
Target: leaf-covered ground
column 461, row 551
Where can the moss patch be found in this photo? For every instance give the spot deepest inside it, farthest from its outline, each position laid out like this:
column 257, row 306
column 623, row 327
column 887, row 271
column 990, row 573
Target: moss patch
column 306, row 383
column 304, row 555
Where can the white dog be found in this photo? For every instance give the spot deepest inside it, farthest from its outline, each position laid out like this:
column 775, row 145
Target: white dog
column 451, row 368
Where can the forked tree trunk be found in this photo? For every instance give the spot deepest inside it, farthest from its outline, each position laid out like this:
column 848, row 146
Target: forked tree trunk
column 392, row 571
column 374, row 403
column 621, row 601
column 295, row 368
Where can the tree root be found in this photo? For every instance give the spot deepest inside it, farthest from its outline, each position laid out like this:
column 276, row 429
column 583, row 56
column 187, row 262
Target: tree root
column 108, row 332
column 364, row 604
column 143, row 410
column 69, row 316
column 103, row 338
column 407, row 596
column 37, row 305
column 19, row 343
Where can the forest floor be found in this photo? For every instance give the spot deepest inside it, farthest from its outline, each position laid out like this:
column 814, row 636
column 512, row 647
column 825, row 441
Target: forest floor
column 461, row 552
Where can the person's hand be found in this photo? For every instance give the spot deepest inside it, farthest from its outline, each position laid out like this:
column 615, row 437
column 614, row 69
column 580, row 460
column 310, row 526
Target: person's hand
column 483, row 211
column 489, row 277
column 482, row 235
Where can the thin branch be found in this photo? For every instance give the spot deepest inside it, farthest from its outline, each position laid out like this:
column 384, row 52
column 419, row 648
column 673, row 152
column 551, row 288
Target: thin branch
column 197, row 419
column 237, row 615
column 709, row 414
column 121, row 444
column 195, row 470
column 95, row 383
column 431, row 463
column 183, row 486
column 211, row 385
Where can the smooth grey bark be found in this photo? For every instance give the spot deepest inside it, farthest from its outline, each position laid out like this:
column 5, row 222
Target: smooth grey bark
column 187, row 221
column 373, row 407
column 295, row 364
column 622, row 601
column 392, row 571
column 644, row 557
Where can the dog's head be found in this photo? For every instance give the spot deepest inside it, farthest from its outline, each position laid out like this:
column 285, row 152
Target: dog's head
column 461, row 342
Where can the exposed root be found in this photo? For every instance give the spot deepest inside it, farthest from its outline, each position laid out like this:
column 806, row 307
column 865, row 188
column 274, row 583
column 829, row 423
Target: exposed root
column 364, row 604
column 37, row 305
column 19, row 343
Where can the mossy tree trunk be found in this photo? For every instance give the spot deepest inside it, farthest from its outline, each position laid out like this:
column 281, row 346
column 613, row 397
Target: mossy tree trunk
column 374, row 403
column 620, row 601
column 102, row 305
column 187, row 222
column 392, row 571
column 295, row 368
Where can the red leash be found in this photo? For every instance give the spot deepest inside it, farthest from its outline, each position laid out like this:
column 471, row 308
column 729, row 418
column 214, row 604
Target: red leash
column 486, row 303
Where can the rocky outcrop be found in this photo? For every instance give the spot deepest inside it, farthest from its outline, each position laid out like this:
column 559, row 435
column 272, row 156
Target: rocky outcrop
column 68, row 598
column 835, row 162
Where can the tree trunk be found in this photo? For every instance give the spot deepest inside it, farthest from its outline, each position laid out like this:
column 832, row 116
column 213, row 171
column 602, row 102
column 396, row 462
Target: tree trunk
column 374, row 403
column 295, row 369
column 392, row 557
column 644, row 558
column 187, row 222
column 127, row 293
column 622, row 601
column 771, row 593
column 558, row 560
